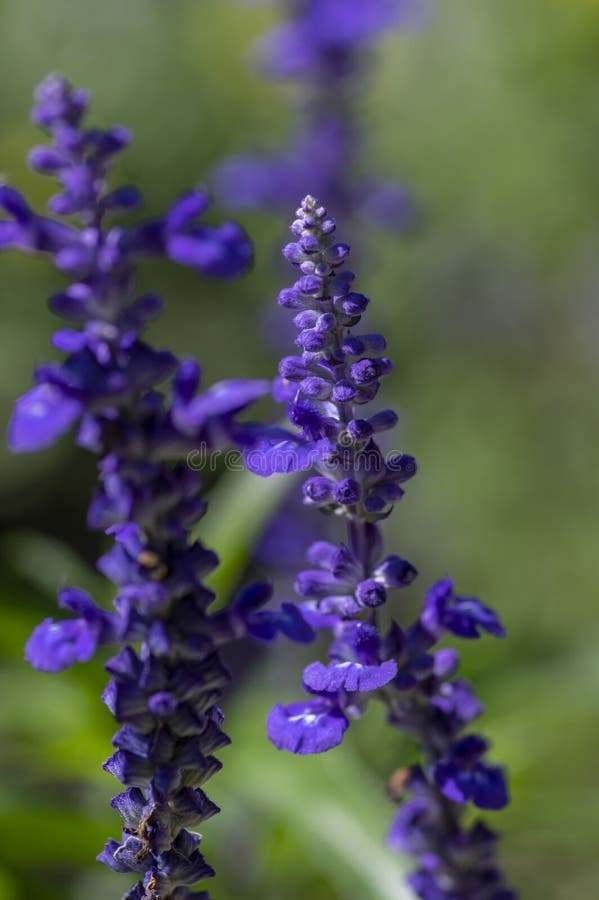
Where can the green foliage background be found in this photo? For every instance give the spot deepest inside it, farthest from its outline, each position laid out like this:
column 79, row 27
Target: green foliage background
column 491, row 115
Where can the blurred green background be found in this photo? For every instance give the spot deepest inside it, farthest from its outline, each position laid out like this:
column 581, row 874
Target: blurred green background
column 491, row 115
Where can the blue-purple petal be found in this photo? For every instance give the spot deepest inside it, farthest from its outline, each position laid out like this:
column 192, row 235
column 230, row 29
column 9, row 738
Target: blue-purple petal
column 348, row 676
column 54, row 646
column 285, row 456
column 40, row 417
column 305, row 728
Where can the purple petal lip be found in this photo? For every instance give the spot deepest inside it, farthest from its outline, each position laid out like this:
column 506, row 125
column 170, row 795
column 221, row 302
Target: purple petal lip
column 305, row 728
column 54, row 646
column 41, row 416
column 348, row 676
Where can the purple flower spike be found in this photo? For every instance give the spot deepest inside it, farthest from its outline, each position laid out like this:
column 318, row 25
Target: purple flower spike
column 167, row 678
column 305, row 728
column 346, row 584
column 325, row 46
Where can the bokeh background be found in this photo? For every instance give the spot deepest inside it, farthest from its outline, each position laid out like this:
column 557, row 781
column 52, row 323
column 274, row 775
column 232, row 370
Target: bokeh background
column 491, row 115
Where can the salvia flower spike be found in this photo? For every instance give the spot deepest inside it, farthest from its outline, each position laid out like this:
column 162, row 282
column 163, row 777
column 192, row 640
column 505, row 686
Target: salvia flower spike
column 167, row 677
column 325, row 47
column 329, row 385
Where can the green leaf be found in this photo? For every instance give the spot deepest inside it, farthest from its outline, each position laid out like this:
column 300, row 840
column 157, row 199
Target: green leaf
column 48, row 563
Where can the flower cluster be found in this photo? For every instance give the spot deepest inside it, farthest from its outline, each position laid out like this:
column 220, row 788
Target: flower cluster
column 167, row 677
column 325, row 47
column 327, row 387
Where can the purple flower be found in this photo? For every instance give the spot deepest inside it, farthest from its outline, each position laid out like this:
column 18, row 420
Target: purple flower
column 41, row 416
column 54, row 646
column 222, row 251
column 465, row 617
column 282, row 456
column 463, row 776
column 305, row 728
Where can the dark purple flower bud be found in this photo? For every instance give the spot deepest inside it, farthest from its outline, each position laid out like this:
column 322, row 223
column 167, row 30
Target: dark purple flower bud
column 309, row 243
column 290, row 298
column 337, row 253
column 401, row 467
column 318, row 491
column 316, row 583
column 359, row 429
column 368, row 370
column 326, row 322
column 343, row 392
column 316, row 388
column 395, row 572
column 310, row 284
column 447, row 662
column 58, row 102
column 375, row 503
column 124, row 198
column 356, row 345
column 46, row 160
column 352, row 304
column 370, row 593
column 348, row 491
column 293, row 253
column 306, row 319
column 313, row 341
column 384, row 420
column 293, row 368
column 186, row 381
column 162, row 704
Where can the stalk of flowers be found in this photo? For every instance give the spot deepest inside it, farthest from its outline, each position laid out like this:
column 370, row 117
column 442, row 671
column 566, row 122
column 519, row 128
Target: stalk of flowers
column 325, row 46
column 328, row 388
column 167, row 678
